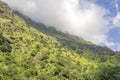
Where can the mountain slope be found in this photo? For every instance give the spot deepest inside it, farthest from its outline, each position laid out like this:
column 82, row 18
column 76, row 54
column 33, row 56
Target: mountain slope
column 33, row 55
column 28, row 54
column 69, row 41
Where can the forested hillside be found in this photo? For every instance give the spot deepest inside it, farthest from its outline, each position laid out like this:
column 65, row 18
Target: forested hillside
column 28, row 54
column 69, row 41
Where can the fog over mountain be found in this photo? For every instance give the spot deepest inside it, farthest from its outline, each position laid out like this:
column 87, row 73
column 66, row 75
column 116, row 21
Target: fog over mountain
column 82, row 18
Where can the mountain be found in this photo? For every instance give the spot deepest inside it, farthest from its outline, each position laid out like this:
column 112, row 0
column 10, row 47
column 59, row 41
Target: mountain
column 29, row 54
column 69, row 41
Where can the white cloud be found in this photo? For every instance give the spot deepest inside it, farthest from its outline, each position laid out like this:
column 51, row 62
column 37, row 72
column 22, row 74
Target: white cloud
column 116, row 5
column 116, row 20
column 77, row 17
column 116, row 47
column 109, row 44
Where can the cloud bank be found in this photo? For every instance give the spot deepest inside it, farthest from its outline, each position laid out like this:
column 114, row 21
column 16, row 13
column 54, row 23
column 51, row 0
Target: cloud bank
column 82, row 18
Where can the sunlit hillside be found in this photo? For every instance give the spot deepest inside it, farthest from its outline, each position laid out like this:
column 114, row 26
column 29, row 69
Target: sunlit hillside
column 28, row 54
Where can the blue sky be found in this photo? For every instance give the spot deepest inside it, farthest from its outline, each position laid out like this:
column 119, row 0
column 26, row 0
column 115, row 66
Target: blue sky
column 114, row 33
column 108, row 4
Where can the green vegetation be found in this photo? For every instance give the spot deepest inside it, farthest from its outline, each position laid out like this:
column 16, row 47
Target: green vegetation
column 4, row 44
column 1, row 11
column 28, row 54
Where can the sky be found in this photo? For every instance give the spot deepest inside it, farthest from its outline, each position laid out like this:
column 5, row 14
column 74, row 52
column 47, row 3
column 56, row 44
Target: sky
column 97, row 21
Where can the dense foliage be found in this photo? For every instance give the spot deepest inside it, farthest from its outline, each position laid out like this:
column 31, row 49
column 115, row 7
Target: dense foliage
column 28, row 54
column 4, row 44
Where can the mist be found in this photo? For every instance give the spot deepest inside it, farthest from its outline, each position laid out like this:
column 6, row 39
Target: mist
column 81, row 18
